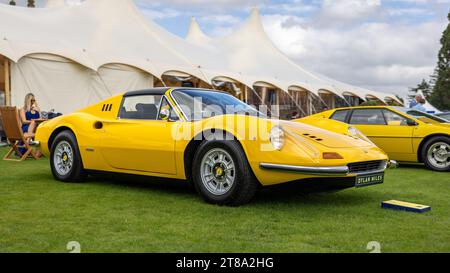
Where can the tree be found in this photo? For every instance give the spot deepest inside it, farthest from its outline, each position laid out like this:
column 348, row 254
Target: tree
column 440, row 96
column 424, row 86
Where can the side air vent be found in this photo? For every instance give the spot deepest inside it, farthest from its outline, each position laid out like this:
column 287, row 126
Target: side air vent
column 107, row 107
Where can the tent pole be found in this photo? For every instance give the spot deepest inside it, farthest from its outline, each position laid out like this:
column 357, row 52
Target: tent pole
column 245, row 94
column 7, row 83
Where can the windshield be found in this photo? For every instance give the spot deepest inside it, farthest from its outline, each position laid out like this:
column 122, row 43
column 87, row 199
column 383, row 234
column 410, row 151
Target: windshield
column 427, row 118
column 201, row 104
column 445, row 116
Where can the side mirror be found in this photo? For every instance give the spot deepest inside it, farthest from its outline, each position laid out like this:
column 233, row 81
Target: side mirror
column 411, row 122
column 164, row 114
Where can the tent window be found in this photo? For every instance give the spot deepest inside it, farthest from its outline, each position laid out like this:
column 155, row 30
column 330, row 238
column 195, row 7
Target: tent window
column 187, row 84
column 271, row 97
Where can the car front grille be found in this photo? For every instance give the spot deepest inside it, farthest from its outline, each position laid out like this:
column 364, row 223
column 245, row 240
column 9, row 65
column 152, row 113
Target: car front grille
column 368, row 166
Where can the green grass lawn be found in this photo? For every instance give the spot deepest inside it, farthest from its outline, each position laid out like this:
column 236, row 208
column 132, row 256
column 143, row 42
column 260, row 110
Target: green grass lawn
column 118, row 214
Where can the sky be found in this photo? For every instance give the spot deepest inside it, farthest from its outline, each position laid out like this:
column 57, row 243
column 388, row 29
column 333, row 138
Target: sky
column 384, row 45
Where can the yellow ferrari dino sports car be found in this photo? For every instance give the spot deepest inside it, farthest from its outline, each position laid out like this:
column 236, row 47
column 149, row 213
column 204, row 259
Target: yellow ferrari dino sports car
column 405, row 134
column 226, row 148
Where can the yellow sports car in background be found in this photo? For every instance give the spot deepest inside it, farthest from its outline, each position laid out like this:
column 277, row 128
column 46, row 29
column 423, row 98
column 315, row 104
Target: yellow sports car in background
column 405, row 134
column 224, row 146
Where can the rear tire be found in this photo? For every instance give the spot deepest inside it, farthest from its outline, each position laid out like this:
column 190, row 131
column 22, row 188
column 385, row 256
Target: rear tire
column 222, row 175
column 65, row 159
column 436, row 154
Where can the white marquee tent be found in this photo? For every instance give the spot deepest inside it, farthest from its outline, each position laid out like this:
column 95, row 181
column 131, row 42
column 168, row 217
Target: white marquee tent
column 74, row 55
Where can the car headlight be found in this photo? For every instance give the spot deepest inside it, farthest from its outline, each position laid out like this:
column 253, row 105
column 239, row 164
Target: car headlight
column 277, row 137
column 353, row 132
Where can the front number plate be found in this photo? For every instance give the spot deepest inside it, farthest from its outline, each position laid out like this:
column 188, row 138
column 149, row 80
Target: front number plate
column 371, row 179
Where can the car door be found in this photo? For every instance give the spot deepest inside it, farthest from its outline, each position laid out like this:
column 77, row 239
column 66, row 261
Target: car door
column 138, row 140
column 388, row 130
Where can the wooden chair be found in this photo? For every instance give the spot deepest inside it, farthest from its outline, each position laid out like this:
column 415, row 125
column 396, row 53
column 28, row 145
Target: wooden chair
column 15, row 136
column 2, row 133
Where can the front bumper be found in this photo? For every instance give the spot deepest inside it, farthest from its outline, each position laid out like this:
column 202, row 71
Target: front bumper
column 335, row 171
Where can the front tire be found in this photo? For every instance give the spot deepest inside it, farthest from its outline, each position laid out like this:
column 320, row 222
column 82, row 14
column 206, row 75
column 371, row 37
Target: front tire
column 222, row 175
column 65, row 159
column 436, row 154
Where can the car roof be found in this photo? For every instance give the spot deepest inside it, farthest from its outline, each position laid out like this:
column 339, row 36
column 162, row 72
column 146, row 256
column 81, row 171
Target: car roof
column 152, row 91
column 162, row 91
column 363, row 107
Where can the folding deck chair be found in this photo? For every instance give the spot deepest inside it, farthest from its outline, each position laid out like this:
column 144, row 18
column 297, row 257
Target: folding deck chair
column 15, row 136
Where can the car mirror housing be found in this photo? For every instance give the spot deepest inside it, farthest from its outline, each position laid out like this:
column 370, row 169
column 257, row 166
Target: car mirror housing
column 164, row 114
column 411, row 122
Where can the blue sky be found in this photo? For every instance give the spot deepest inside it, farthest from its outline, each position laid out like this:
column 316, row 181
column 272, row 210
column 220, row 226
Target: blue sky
column 385, row 45
column 347, row 14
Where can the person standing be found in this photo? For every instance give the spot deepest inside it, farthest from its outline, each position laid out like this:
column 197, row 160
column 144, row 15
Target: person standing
column 415, row 101
column 420, row 105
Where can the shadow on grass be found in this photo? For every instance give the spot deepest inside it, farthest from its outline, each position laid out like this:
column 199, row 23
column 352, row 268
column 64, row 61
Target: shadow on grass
column 143, row 183
column 412, row 166
column 292, row 193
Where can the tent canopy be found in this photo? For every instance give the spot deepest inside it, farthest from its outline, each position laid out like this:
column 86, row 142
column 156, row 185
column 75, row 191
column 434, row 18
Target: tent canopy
column 96, row 33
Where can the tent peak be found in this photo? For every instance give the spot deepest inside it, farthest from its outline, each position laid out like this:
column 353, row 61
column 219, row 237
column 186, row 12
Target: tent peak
column 255, row 18
column 195, row 34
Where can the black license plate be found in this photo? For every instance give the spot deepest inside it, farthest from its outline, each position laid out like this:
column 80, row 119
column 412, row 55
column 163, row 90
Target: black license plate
column 370, row 179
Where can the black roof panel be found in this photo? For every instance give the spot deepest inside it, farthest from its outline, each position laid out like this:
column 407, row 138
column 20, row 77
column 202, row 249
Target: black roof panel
column 152, row 91
column 162, row 91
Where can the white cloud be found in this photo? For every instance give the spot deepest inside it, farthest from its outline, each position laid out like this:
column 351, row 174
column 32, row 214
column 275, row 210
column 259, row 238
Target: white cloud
column 381, row 44
column 216, row 5
column 164, row 13
column 348, row 10
column 389, row 56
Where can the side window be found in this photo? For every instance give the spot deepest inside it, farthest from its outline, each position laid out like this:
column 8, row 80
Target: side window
column 340, row 115
column 145, row 107
column 394, row 119
column 166, row 106
column 368, row 117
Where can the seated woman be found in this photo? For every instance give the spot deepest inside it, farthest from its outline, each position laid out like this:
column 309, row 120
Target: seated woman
column 29, row 114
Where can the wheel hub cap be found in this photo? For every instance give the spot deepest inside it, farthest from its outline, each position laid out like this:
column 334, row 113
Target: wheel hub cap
column 63, row 158
column 218, row 171
column 439, row 155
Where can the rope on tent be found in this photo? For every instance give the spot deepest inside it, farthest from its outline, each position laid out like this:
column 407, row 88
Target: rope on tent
column 103, row 82
column 313, row 108
column 260, row 99
column 296, row 104
column 343, row 97
column 323, row 102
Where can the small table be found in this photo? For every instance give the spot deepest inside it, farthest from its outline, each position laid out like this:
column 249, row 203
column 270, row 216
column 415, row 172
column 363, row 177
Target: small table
column 40, row 120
